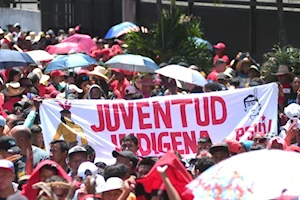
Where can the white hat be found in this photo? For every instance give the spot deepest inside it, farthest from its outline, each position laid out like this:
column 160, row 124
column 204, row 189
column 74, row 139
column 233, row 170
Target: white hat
column 113, row 183
column 87, row 168
column 130, row 90
column 73, row 88
column 292, row 111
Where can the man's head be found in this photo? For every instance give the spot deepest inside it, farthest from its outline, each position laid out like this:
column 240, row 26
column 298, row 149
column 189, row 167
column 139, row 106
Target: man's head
column 222, row 78
column 203, row 144
column 254, row 71
column 2, row 124
column 37, row 136
column 212, row 87
column 17, row 27
column 201, row 165
column 34, row 78
column 144, row 167
column 58, row 151
column 219, row 152
column 27, row 84
column 7, row 174
column 284, row 75
column 220, row 65
column 112, row 189
column 10, row 120
column 77, row 155
column 126, row 157
column 8, row 146
column 61, row 191
column 57, row 76
column 47, row 171
column 130, row 143
column 91, row 153
column 22, row 135
column 117, row 170
column 119, row 74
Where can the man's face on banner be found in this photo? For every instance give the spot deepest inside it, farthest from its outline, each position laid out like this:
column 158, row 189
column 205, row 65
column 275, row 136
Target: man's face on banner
column 252, row 106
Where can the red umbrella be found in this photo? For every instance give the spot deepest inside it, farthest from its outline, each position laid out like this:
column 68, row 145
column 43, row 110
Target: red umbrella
column 83, row 39
column 66, row 47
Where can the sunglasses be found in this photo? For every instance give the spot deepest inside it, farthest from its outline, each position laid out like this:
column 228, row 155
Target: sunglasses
column 85, row 78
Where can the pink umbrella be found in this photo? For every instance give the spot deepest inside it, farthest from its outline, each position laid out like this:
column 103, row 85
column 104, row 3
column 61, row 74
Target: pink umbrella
column 83, row 39
column 66, row 47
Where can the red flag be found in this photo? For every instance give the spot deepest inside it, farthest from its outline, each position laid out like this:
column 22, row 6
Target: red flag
column 176, row 172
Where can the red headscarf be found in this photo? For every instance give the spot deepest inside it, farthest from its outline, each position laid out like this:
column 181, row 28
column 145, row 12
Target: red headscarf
column 31, row 193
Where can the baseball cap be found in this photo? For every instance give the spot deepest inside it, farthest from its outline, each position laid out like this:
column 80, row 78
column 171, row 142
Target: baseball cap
column 220, row 45
column 130, row 89
column 83, row 72
column 57, row 73
column 73, row 88
column 219, row 147
column 128, row 154
column 17, row 25
column 9, row 144
column 87, row 169
column 222, row 76
column 220, row 61
column 76, row 149
column 254, row 67
column 113, row 183
column 234, row 146
column 2, row 121
column 8, row 165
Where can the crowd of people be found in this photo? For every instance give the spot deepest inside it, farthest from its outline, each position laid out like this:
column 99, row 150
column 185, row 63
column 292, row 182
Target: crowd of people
column 69, row 171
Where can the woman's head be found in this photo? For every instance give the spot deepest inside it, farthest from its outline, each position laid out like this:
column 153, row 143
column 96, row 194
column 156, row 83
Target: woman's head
column 14, row 75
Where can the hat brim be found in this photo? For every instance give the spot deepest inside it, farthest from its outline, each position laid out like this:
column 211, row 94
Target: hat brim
column 44, row 78
column 215, row 149
column 14, row 149
column 7, row 93
column 7, row 168
column 98, row 74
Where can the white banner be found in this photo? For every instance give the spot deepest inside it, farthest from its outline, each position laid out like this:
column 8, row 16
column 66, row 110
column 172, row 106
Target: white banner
column 162, row 123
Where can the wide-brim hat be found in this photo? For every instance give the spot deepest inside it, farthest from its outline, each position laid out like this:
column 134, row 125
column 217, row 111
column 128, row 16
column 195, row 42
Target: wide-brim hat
column 241, row 62
column 99, row 71
column 283, row 70
column 43, row 77
column 13, row 89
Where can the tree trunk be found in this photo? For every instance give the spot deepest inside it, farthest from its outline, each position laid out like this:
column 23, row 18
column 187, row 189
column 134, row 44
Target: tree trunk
column 158, row 9
column 282, row 31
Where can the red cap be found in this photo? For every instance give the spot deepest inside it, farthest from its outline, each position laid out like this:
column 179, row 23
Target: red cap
column 220, row 45
column 234, row 146
column 57, row 73
column 83, row 72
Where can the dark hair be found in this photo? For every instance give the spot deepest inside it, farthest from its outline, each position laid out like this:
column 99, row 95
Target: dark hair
column 147, row 161
column 130, row 138
column 203, row 163
column 35, row 129
column 116, row 170
column 213, row 87
column 257, row 147
column 90, row 150
column 197, row 89
column 56, row 178
column 234, row 81
column 137, row 96
column 16, row 109
column 50, row 167
column 204, row 140
column 62, row 144
column 17, row 123
column 14, row 71
column 33, row 77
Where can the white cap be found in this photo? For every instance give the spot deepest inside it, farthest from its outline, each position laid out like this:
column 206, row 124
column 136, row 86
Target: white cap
column 130, row 90
column 292, row 111
column 113, row 183
column 73, row 88
column 87, row 168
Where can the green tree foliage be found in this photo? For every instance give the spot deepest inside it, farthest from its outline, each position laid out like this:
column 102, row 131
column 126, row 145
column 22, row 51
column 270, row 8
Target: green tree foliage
column 286, row 55
column 172, row 39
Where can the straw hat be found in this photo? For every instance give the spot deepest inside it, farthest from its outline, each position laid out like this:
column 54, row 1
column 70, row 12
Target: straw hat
column 99, row 71
column 13, row 89
column 282, row 70
column 33, row 37
column 43, row 78
column 241, row 62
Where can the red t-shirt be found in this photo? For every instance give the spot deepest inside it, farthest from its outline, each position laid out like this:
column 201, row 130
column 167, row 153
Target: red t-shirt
column 224, row 57
column 213, row 76
column 120, row 87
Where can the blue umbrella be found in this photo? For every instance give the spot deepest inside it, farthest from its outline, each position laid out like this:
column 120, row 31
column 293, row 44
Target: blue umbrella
column 200, row 41
column 63, row 62
column 132, row 62
column 119, row 30
column 10, row 58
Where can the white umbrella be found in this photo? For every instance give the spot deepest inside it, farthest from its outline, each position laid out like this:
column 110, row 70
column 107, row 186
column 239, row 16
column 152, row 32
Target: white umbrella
column 40, row 55
column 182, row 74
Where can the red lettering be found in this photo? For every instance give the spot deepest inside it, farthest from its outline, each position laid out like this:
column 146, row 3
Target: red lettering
column 182, row 103
column 101, row 120
column 205, row 121
column 204, row 134
column 114, row 141
column 127, row 116
column 153, row 139
column 161, row 145
column 189, row 142
column 110, row 127
column 269, row 125
column 145, row 150
column 176, row 143
column 214, row 100
column 239, row 133
column 143, row 115
column 165, row 115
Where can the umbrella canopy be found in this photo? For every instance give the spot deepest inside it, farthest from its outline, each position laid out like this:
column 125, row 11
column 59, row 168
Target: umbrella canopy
column 10, row 58
column 84, row 40
column 263, row 174
column 132, row 62
column 120, row 29
column 200, row 41
column 63, row 62
column 40, row 55
column 182, row 74
column 66, row 47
